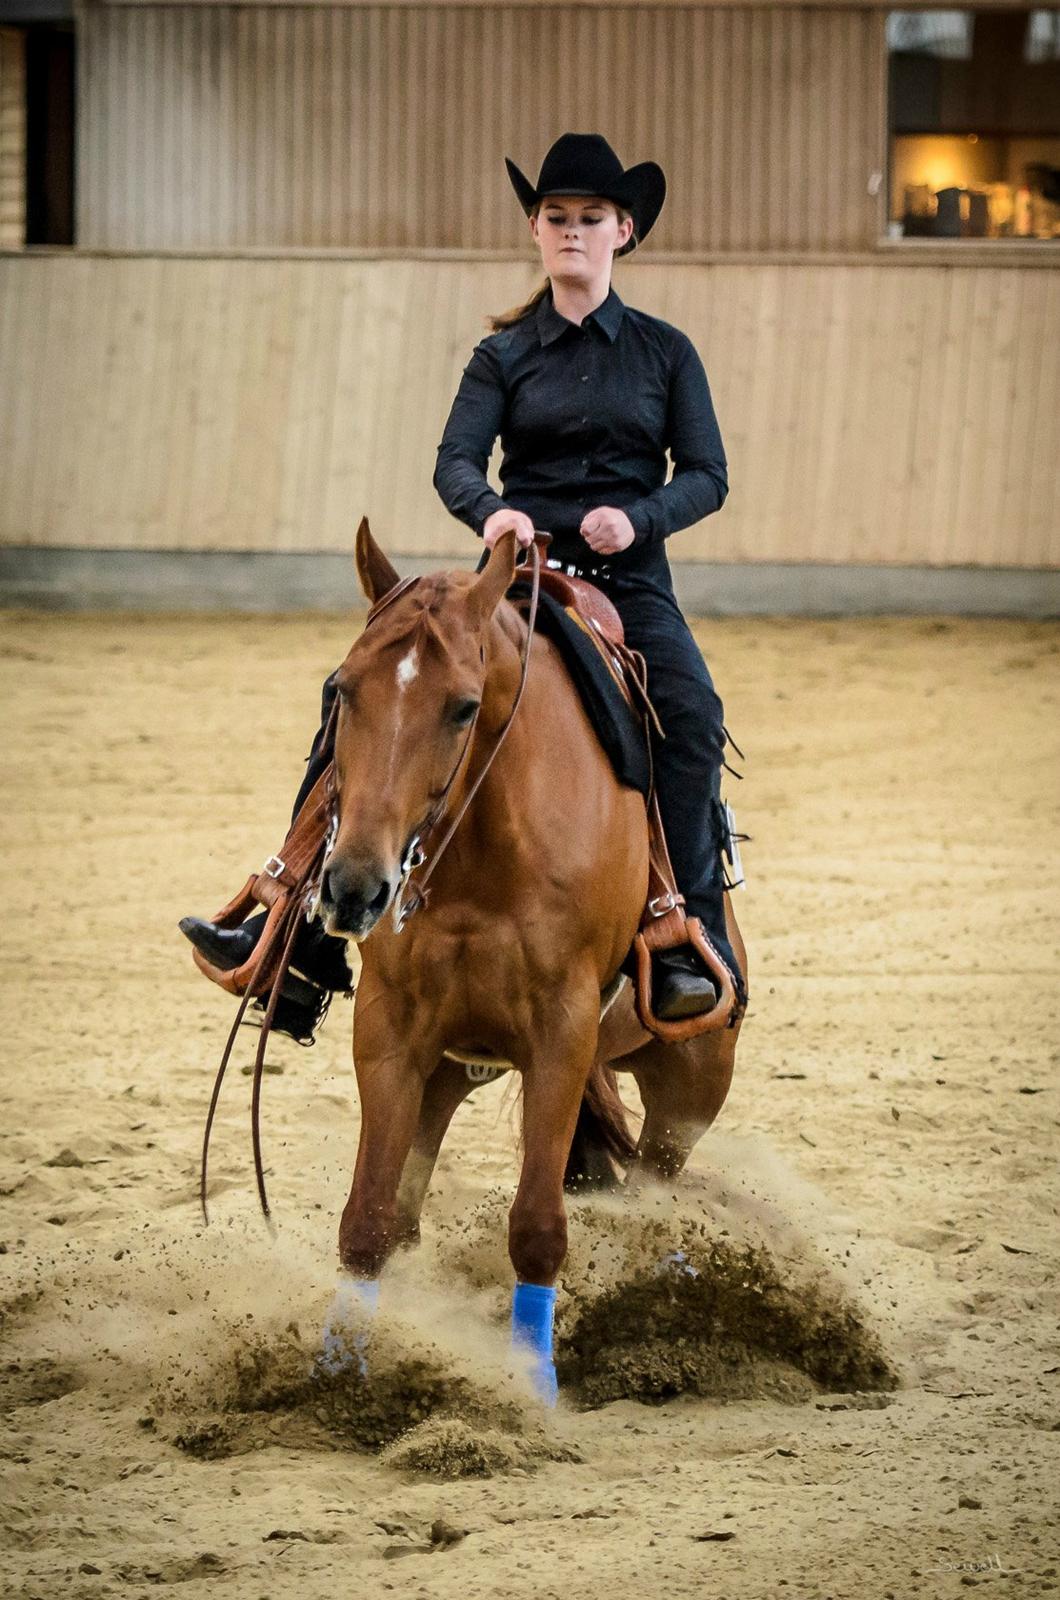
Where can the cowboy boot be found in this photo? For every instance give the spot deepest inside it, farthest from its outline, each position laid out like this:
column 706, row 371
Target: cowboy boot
column 303, row 1000
column 680, row 984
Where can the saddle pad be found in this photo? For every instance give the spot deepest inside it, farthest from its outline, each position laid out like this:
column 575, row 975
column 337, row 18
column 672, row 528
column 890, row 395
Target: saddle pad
column 618, row 727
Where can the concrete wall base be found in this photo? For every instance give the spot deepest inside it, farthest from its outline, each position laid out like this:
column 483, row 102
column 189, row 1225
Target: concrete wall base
column 259, row 581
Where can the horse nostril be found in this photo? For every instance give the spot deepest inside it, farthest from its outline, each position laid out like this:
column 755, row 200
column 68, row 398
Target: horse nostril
column 354, row 895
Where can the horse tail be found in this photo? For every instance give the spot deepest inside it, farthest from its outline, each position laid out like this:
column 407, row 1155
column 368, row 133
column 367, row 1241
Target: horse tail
column 603, row 1146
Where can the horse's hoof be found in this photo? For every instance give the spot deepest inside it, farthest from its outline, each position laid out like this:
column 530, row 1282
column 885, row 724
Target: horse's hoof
column 345, row 1337
column 546, row 1386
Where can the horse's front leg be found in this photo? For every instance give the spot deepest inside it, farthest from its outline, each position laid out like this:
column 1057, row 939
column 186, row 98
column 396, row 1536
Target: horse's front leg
column 394, row 1055
column 561, row 1050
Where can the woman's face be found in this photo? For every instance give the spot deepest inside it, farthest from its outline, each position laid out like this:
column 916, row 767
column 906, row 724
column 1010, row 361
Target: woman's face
column 578, row 236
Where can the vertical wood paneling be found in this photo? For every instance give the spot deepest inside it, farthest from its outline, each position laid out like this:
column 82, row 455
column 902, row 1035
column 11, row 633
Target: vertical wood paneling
column 216, row 126
column 12, row 139
column 870, row 413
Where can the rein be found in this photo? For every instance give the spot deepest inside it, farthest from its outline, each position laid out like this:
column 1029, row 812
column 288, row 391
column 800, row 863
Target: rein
column 411, row 896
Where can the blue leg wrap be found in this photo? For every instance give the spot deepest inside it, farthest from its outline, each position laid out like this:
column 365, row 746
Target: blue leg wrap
column 533, row 1309
column 354, row 1301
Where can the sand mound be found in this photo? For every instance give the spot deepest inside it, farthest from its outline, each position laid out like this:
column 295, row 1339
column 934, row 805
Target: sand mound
column 722, row 1320
column 448, row 1447
column 461, row 1425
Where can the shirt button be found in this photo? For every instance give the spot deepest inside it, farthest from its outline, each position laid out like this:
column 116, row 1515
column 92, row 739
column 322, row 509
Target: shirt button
column 585, row 419
column 585, row 377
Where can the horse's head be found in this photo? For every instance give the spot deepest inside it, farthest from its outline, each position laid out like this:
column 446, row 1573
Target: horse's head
column 409, row 696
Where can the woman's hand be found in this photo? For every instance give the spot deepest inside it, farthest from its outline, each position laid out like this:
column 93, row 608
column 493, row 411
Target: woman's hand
column 499, row 522
column 607, row 530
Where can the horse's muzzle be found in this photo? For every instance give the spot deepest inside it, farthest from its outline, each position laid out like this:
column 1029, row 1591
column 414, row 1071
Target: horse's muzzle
column 353, row 898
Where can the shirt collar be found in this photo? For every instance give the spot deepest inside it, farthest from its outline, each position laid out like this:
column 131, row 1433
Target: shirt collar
column 551, row 323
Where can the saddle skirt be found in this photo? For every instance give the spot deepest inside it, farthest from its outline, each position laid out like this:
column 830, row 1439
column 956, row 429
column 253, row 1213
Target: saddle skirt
column 587, row 631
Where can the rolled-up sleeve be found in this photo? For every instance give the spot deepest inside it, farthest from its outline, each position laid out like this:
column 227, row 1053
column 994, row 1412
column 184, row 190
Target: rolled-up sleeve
column 700, row 479
column 467, row 440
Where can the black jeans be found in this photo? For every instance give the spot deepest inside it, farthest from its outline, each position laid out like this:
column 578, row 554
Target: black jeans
column 688, row 760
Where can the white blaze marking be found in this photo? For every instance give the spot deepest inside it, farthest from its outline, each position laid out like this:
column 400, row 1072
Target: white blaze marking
column 408, row 667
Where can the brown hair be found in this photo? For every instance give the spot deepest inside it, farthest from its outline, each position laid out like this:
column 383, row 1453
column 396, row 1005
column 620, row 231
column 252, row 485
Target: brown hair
column 495, row 321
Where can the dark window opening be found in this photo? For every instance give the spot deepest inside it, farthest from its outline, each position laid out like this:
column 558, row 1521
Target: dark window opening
column 50, row 90
column 974, row 107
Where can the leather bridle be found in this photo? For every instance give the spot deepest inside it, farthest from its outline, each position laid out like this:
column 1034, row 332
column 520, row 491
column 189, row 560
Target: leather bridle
column 422, row 854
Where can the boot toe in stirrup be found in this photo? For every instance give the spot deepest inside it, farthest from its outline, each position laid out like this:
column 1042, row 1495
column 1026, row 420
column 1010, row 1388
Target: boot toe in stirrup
column 680, row 987
column 225, row 948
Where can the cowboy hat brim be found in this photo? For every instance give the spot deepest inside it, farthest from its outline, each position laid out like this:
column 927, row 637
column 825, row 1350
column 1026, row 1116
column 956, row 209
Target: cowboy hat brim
column 642, row 190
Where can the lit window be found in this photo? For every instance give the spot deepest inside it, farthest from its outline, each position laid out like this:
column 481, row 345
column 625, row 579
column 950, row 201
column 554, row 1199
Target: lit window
column 974, row 100
column 931, row 33
column 1043, row 36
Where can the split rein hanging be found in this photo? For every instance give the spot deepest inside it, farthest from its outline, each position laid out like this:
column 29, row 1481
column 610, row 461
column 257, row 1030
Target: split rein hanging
column 305, row 893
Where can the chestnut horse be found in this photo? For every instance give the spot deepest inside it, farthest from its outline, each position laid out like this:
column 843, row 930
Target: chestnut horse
column 532, row 909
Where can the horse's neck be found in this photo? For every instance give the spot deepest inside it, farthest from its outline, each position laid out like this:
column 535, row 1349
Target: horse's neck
column 550, row 800
column 545, row 725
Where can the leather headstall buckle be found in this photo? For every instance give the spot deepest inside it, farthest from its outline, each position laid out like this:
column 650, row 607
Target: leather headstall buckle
column 661, row 904
column 274, row 867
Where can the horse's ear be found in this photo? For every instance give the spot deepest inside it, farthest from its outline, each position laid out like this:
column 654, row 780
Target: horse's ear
column 495, row 579
column 374, row 570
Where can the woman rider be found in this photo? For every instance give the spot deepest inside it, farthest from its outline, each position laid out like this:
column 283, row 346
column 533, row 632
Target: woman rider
column 586, row 394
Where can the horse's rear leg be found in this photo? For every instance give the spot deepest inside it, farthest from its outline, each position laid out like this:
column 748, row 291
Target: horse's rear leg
column 554, row 1081
column 683, row 1087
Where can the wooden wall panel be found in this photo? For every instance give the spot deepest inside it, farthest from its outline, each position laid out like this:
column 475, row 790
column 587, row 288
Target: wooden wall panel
column 870, row 413
column 12, row 139
column 277, row 126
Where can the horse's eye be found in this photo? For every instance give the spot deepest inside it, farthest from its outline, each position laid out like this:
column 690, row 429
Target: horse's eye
column 462, row 711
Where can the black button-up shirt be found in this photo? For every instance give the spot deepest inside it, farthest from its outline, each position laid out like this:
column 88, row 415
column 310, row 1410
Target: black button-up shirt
column 586, row 415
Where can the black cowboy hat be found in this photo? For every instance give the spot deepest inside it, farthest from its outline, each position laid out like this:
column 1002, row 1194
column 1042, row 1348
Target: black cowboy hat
column 584, row 163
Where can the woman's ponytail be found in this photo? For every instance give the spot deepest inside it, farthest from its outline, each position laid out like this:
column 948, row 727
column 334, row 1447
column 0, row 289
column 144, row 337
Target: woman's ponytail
column 505, row 319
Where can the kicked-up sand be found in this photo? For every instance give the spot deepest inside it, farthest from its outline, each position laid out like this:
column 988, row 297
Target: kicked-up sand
column 823, row 1363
